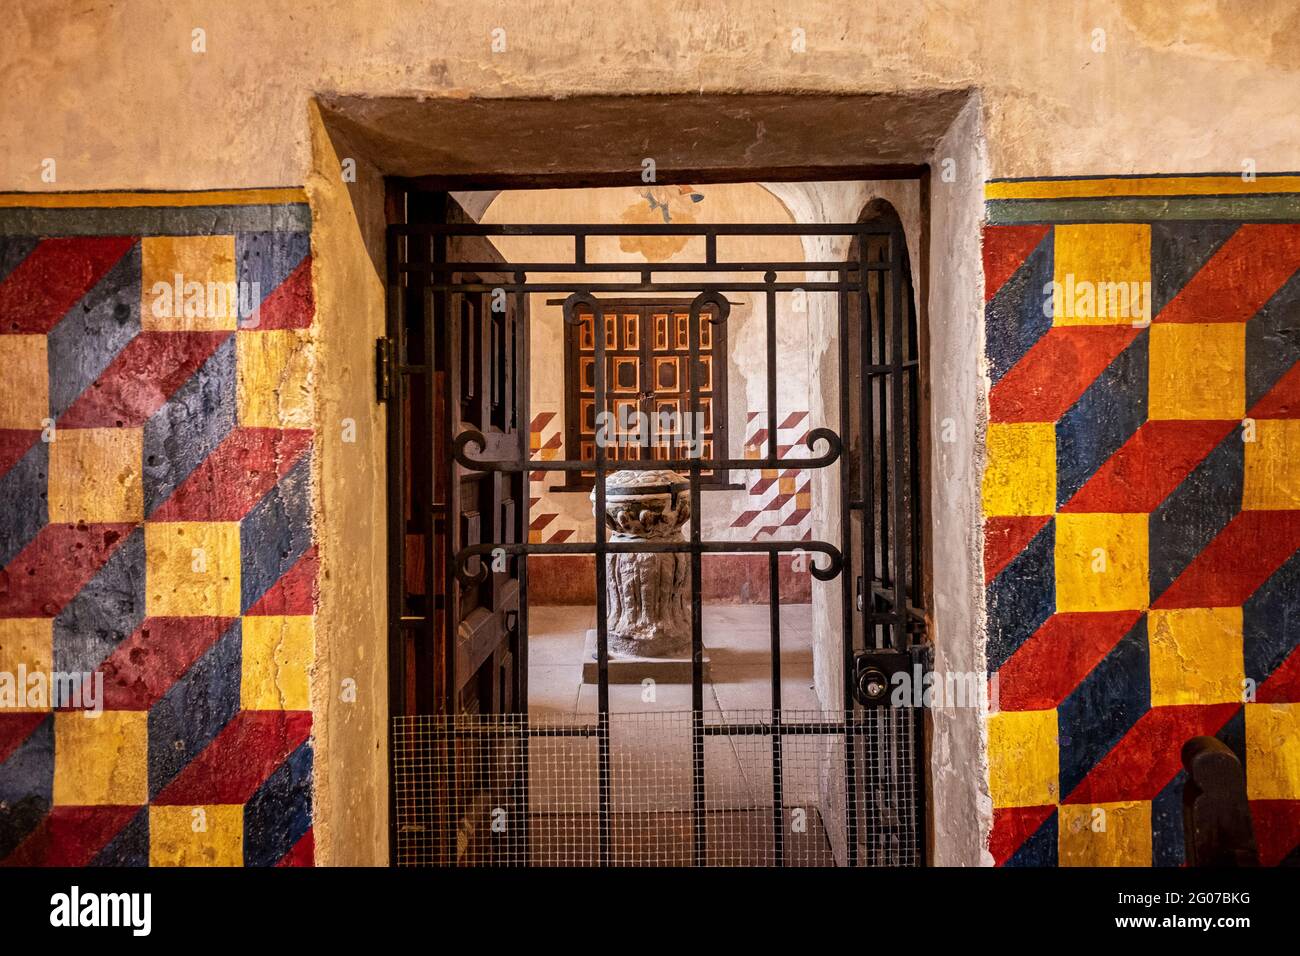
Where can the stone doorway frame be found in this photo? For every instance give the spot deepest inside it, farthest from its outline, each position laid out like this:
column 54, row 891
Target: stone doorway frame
column 808, row 143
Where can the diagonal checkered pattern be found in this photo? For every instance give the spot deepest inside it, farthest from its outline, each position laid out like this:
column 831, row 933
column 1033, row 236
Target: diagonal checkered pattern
column 157, row 455
column 780, row 499
column 546, row 443
column 1142, row 530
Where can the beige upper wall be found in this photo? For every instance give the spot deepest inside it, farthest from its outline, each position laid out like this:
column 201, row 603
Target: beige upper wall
column 112, row 91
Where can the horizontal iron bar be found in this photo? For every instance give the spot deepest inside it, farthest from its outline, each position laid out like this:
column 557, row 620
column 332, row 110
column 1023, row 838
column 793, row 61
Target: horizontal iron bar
column 476, row 438
column 855, row 727
column 498, row 730
column 650, row 464
column 438, row 268
column 640, row 229
column 481, row 551
column 644, row 286
column 785, row 730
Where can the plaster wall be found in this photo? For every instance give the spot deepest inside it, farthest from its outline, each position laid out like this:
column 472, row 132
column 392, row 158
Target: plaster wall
column 350, row 686
column 235, row 115
column 957, row 389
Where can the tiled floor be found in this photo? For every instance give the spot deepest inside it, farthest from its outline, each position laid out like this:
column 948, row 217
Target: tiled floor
column 736, row 641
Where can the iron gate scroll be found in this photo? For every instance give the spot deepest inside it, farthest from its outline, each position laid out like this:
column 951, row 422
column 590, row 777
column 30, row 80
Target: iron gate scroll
column 773, row 787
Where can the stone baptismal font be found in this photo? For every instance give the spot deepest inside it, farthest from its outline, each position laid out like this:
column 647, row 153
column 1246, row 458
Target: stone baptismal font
column 648, row 593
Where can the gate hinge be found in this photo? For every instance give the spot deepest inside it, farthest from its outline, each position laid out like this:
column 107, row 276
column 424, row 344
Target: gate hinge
column 383, row 370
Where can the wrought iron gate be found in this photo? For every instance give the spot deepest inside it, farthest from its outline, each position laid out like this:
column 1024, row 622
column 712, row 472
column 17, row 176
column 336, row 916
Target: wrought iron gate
column 475, row 780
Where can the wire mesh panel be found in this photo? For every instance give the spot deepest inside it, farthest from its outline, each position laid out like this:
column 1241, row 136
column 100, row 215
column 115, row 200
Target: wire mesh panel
column 526, row 791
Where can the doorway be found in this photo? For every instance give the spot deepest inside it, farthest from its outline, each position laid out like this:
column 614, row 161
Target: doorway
column 478, row 779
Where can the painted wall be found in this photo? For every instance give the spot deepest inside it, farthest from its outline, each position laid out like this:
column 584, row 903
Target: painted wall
column 156, row 469
column 240, row 114
column 1142, row 509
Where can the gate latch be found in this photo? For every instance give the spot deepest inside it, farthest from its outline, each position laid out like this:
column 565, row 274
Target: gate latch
column 874, row 675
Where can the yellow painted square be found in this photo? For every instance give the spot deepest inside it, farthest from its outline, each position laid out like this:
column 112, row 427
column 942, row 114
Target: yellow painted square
column 1020, row 474
column 1101, row 274
column 96, row 475
column 1024, row 758
column 787, row 485
column 101, row 760
column 204, row 267
column 25, row 395
column 1197, row 371
column 1104, row 834
column 1273, row 466
column 803, row 500
column 1101, row 562
column 273, row 369
column 1196, row 656
column 26, row 648
column 196, row 836
column 192, row 569
column 1273, row 751
column 277, row 652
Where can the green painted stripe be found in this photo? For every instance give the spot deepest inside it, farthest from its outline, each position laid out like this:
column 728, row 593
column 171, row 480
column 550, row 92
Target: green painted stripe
column 155, row 220
column 1275, row 207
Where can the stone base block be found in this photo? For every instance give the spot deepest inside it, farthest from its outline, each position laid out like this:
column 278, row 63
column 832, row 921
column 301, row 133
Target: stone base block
column 633, row 670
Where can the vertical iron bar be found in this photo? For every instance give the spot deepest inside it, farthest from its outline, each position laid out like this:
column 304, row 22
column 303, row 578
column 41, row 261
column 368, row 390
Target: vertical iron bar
column 914, row 442
column 774, row 452
column 439, row 322
column 878, row 418
column 523, row 508
column 773, row 449
column 774, row 628
column 867, row 444
column 919, row 767
column 875, row 524
column 896, row 434
column 846, row 576
column 697, row 610
column 602, row 600
column 881, row 426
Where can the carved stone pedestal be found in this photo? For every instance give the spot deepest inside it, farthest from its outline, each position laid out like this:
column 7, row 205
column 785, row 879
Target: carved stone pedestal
column 648, row 594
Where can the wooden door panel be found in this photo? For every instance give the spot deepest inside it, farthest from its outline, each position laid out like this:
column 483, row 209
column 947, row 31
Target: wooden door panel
column 493, row 402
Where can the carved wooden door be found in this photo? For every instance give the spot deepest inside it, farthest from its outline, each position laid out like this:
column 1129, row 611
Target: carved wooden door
column 454, row 361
